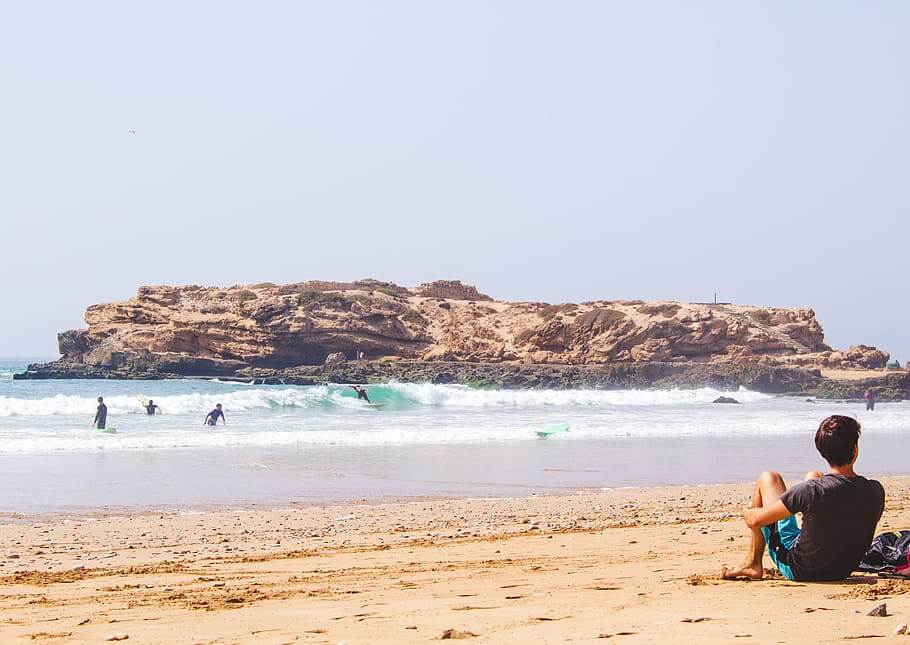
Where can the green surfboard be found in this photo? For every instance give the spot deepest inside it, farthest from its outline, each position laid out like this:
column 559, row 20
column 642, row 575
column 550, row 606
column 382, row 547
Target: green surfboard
column 557, row 429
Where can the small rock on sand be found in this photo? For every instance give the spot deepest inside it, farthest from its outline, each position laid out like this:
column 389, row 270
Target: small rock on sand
column 880, row 610
column 454, row 634
column 117, row 637
column 900, row 629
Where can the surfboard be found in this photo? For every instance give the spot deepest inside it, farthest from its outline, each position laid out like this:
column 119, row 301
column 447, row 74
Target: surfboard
column 374, row 406
column 557, row 429
column 108, row 430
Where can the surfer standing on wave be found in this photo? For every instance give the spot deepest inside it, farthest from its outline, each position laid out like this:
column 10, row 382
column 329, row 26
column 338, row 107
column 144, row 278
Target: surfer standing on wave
column 361, row 393
column 211, row 419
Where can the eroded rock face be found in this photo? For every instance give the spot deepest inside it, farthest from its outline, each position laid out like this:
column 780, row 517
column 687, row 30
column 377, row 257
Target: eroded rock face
column 74, row 342
column 191, row 329
column 854, row 357
column 334, row 360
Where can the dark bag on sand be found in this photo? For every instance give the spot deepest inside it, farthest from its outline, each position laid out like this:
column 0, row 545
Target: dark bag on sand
column 889, row 553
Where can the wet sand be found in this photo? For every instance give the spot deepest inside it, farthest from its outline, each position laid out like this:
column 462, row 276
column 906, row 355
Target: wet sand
column 625, row 566
column 204, row 479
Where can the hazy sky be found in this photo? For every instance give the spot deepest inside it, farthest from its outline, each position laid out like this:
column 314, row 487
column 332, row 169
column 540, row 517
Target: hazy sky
column 552, row 151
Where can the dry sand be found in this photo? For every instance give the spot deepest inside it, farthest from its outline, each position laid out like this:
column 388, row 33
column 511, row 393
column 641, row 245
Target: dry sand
column 625, row 566
column 855, row 375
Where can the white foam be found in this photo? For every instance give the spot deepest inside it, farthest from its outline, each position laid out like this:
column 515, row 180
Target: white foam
column 427, row 394
column 454, row 395
column 268, row 416
column 193, row 403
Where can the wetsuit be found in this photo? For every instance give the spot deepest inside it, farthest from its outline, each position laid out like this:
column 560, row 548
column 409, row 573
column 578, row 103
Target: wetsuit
column 213, row 416
column 151, row 408
column 362, row 394
column 101, row 416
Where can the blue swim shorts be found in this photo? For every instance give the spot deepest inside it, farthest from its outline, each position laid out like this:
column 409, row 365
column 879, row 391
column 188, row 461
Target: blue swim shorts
column 780, row 538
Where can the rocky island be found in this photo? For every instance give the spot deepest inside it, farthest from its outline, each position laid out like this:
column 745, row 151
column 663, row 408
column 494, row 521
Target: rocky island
column 449, row 332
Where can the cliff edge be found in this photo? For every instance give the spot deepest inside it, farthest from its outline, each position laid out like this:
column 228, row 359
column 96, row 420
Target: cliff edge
column 211, row 331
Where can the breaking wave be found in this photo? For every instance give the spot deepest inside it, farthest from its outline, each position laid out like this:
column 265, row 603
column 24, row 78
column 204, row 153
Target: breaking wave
column 336, row 397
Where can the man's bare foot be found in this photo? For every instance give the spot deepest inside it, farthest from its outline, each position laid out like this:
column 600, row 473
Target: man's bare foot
column 745, row 571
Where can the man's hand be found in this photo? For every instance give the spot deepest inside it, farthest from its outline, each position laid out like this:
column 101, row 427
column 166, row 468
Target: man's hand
column 765, row 515
column 749, row 516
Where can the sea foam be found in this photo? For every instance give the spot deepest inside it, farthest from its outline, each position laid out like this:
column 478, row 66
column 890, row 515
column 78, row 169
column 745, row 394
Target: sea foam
column 395, row 396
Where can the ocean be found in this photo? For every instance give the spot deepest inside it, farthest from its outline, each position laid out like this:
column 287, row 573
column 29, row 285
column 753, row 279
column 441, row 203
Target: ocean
column 308, row 444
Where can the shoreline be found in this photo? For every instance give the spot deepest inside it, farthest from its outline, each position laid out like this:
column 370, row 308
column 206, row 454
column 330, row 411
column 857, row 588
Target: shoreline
column 263, row 477
column 99, row 513
column 636, row 565
column 94, row 514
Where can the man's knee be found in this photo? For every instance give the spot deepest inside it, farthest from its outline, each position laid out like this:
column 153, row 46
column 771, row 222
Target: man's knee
column 814, row 474
column 770, row 477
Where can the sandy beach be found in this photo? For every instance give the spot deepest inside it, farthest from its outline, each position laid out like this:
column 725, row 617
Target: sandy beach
column 627, row 565
column 378, row 323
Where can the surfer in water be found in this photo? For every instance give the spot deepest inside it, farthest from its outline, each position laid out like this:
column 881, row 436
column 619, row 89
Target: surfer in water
column 361, row 393
column 870, row 396
column 211, row 419
column 151, row 408
column 100, row 415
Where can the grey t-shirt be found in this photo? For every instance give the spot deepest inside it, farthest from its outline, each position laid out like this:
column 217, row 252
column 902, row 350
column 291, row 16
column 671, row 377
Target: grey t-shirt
column 839, row 519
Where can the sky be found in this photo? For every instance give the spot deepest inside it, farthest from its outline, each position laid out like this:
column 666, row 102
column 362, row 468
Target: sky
column 549, row 151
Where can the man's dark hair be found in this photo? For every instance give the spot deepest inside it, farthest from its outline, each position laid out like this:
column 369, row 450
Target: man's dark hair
column 836, row 439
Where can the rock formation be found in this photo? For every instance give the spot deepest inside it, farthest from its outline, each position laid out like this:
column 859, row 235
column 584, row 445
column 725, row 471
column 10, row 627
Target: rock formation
column 212, row 331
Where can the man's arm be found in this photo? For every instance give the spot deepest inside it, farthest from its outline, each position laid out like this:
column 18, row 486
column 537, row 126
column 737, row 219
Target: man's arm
column 223, row 419
column 758, row 517
column 97, row 415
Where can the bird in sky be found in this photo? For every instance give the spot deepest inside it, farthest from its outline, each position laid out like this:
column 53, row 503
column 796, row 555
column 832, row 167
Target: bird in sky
column 132, row 132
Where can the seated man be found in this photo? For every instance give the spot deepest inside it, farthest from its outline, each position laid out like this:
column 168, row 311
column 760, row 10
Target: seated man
column 840, row 511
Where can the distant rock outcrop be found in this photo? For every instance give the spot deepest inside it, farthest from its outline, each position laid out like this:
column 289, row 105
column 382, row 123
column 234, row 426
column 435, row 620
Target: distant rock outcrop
column 194, row 330
column 450, row 289
column 855, row 357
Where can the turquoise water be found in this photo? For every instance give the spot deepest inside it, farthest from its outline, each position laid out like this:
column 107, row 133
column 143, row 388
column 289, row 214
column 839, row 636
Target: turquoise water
column 53, row 416
column 284, row 443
